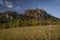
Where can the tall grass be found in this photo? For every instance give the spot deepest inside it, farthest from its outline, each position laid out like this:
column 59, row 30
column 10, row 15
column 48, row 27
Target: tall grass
column 31, row 33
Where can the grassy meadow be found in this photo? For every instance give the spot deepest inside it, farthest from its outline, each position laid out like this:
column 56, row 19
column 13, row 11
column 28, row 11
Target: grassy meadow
column 31, row 33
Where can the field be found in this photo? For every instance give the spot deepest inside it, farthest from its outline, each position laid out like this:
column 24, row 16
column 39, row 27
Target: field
column 31, row 33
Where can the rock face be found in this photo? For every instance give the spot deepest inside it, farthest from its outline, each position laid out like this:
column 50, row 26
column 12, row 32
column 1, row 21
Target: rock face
column 37, row 14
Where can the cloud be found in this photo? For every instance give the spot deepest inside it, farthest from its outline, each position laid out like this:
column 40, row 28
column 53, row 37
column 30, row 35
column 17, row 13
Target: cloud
column 1, row 2
column 8, row 4
column 17, row 8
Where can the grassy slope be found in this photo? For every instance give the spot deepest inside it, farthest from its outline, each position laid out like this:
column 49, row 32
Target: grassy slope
column 31, row 33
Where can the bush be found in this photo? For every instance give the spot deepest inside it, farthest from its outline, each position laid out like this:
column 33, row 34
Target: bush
column 33, row 22
column 21, row 23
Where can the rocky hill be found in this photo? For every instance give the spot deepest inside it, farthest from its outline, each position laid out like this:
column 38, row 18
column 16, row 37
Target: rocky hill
column 28, row 17
column 37, row 14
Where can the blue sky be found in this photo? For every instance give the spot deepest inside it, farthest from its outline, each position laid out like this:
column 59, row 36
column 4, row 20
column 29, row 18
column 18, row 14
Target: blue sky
column 51, row 6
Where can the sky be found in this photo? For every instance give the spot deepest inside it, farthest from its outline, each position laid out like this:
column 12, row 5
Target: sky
column 50, row 6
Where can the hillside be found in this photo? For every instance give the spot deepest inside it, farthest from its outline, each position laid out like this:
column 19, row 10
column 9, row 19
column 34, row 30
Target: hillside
column 30, row 17
column 39, row 14
column 28, row 14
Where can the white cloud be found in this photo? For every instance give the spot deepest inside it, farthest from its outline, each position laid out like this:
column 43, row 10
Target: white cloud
column 8, row 4
column 17, row 8
column 1, row 2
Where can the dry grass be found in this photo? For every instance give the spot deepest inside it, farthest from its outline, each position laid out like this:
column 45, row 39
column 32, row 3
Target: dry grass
column 31, row 33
